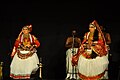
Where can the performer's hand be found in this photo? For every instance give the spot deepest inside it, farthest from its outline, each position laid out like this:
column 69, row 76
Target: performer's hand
column 31, row 48
column 82, row 47
column 12, row 55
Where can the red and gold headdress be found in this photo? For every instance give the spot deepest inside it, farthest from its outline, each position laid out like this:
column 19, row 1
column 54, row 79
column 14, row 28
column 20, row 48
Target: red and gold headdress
column 93, row 24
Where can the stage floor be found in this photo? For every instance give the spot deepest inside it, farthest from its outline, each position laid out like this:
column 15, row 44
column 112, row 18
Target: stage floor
column 113, row 72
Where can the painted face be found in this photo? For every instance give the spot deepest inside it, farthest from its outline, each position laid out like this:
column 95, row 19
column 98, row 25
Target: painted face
column 25, row 30
column 91, row 28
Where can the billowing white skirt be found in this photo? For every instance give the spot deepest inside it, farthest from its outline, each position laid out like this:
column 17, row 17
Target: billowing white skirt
column 92, row 67
column 23, row 68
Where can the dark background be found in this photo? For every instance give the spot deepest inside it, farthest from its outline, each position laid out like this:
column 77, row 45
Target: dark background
column 52, row 23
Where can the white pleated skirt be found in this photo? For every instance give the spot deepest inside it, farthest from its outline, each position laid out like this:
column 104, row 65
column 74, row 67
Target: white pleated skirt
column 92, row 67
column 23, row 68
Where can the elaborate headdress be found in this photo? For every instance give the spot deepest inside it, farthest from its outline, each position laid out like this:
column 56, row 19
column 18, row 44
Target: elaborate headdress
column 93, row 24
column 29, row 27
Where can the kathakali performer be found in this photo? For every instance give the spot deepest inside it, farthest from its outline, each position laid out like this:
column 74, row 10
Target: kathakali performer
column 92, row 56
column 24, row 55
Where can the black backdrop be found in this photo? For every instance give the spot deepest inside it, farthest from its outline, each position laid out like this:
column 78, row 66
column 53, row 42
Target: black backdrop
column 52, row 24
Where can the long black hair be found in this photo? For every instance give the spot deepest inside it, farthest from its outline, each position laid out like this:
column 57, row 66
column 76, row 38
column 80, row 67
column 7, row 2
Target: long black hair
column 95, row 37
